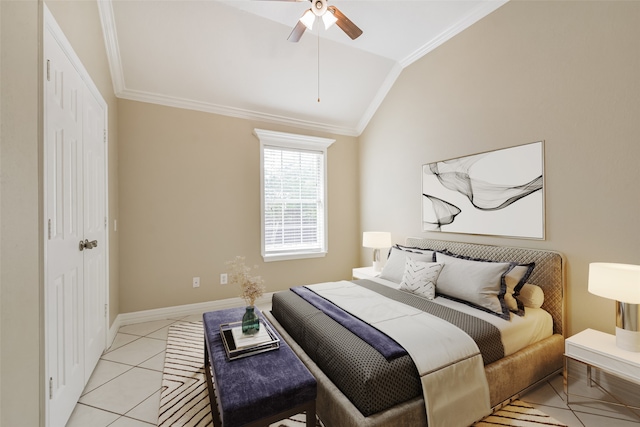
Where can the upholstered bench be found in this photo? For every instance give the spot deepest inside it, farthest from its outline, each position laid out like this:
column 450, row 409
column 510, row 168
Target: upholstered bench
column 257, row 390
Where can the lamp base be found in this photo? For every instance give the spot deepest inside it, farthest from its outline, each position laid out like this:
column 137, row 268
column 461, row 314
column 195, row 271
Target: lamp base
column 628, row 340
column 628, row 326
column 377, row 264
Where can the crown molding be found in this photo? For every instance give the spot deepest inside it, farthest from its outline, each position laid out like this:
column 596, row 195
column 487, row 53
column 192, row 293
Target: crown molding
column 206, row 107
column 105, row 9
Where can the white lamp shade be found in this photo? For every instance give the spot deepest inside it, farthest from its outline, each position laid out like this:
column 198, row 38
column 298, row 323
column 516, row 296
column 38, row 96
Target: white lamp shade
column 328, row 20
column 308, row 18
column 376, row 239
column 620, row 282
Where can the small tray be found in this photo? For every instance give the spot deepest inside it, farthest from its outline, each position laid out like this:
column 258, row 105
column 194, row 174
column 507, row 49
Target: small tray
column 233, row 352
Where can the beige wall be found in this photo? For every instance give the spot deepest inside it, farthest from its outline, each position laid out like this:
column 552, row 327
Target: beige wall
column 190, row 200
column 563, row 72
column 80, row 22
column 21, row 261
column 1, row 210
column 20, row 247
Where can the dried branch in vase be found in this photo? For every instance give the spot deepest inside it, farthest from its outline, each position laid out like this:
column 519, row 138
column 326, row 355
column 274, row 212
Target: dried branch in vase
column 251, row 287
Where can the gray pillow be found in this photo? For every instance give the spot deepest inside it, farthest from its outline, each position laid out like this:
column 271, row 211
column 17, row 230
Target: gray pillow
column 478, row 283
column 393, row 269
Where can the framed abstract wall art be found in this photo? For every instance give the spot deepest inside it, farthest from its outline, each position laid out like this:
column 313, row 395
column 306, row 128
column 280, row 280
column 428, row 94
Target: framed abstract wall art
column 498, row 193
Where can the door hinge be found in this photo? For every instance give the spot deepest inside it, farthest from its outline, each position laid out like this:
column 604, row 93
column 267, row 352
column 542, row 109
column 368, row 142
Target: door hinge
column 105, row 223
column 49, row 227
column 106, row 310
column 48, row 70
column 50, row 387
column 104, row 135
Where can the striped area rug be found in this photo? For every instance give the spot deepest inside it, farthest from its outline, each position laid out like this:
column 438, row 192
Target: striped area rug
column 519, row 414
column 184, row 400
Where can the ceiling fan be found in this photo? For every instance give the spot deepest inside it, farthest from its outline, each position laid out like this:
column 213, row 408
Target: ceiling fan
column 330, row 15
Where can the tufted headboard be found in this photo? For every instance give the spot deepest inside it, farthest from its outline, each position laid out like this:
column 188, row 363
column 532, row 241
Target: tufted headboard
column 548, row 273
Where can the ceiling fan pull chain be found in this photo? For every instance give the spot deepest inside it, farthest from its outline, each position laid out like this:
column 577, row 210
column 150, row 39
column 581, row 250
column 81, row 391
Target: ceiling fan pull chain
column 318, row 63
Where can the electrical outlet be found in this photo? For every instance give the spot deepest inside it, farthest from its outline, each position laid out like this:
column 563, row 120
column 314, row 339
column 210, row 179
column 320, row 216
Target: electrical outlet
column 196, row 282
column 223, row 279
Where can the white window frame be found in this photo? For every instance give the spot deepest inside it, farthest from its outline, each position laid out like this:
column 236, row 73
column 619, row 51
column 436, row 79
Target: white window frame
column 272, row 139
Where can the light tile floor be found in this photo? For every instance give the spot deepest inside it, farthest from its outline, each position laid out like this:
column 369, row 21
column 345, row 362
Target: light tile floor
column 124, row 390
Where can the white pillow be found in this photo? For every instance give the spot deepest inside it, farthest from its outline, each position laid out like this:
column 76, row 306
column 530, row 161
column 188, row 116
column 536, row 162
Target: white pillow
column 477, row 282
column 394, row 267
column 531, row 296
column 420, row 278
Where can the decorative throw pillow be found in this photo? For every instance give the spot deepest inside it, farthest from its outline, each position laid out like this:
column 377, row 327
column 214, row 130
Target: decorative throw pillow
column 393, row 269
column 478, row 283
column 420, row 278
column 531, row 296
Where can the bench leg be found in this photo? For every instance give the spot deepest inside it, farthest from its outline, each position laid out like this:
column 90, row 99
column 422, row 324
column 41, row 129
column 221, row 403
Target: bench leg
column 311, row 414
column 212, row 397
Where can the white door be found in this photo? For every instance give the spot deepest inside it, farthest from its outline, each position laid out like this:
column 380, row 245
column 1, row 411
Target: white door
column 76, row 257
column 64, row 279
column 95, row 224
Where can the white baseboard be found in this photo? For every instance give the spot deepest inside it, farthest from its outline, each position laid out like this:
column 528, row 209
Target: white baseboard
column 124, row 319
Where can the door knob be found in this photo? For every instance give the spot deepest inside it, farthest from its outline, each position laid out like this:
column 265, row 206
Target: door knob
column 88, row 245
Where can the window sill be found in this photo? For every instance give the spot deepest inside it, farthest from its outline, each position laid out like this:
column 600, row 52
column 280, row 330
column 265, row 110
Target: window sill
column 291, row 256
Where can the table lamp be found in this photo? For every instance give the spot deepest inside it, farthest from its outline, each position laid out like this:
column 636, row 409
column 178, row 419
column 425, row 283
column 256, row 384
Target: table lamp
column 620, row 282
column 376, row 240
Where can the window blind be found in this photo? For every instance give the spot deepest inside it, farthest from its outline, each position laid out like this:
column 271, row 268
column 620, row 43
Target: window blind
column 293, row 200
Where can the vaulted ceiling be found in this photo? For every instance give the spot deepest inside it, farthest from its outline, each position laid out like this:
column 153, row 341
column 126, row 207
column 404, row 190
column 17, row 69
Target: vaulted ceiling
column 232, row 57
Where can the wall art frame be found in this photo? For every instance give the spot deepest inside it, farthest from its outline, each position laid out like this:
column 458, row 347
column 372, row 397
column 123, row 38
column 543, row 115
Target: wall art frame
column 496, row 193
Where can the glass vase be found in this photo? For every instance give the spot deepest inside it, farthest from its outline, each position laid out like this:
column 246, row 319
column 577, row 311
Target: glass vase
column 250, row 322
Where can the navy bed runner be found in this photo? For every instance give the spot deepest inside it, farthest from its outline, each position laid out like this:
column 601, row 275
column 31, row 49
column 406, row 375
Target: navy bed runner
column 384, row 344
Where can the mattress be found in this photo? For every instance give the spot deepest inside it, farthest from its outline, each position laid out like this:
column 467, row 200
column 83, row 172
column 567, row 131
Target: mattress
column 371, row 382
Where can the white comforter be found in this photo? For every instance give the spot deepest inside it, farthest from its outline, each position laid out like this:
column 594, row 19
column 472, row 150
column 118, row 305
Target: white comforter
column 454, row 384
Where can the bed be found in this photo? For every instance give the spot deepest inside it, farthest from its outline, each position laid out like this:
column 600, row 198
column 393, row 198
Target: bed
column 357, row 386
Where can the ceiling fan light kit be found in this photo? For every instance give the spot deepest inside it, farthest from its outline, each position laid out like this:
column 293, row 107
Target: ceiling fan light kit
column 330, row 15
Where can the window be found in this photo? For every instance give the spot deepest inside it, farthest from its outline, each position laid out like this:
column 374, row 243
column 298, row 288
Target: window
column 293, row 195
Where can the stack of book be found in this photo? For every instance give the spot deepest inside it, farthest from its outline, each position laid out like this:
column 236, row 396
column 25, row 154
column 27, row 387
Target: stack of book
column 237, row 344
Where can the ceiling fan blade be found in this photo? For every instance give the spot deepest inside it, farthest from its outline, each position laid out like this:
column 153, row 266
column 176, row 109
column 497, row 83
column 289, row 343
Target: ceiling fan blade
column 297, row 32
column 345, row 23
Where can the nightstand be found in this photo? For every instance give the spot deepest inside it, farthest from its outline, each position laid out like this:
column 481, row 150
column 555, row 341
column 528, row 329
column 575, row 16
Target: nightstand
column 598, row 350
column 365, row 273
